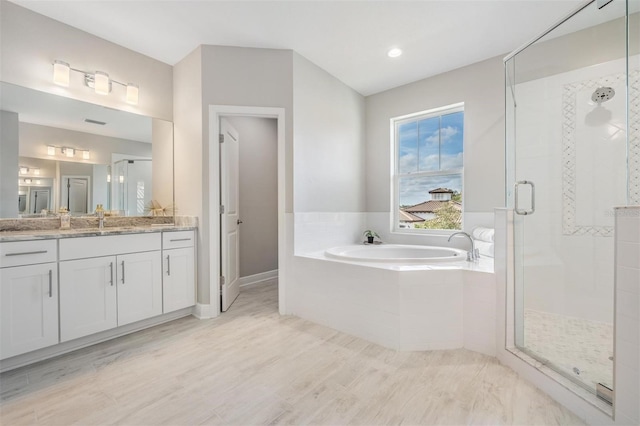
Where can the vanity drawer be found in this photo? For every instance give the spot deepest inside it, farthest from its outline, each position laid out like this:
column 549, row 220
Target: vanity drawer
column 178, row 239
column 108, row 245
column 17, row 253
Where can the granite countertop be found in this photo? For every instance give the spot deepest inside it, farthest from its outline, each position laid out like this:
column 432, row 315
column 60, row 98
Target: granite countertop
column 87, row 232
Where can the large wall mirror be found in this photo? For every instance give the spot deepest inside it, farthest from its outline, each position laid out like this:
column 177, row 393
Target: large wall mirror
column 75, row 155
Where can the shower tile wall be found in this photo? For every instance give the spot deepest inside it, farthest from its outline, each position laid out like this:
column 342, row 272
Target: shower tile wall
column 627, row 372
column 315, row 231
column 578, row 272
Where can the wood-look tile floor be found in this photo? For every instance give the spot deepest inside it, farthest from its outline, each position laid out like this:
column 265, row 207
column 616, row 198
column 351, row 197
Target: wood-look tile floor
column 252, row 366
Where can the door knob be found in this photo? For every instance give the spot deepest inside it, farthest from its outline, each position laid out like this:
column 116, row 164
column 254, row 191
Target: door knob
column 239, row 222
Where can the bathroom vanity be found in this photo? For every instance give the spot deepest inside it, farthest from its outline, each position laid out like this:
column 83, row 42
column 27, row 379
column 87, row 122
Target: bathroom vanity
column 61, row 290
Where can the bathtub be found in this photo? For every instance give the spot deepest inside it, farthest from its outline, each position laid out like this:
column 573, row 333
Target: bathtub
column 396, row 253
column 404, row 297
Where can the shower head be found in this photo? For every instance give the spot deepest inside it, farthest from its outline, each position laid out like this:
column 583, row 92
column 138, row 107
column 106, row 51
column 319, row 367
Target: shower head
column 603, row 94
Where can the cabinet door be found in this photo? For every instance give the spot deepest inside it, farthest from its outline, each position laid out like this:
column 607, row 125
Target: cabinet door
column 139, row 286
column 178, row 283
column 87, row 297
column 29, row 308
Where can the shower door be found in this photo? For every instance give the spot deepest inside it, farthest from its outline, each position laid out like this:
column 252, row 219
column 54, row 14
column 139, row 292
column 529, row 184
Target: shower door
column 566, row 128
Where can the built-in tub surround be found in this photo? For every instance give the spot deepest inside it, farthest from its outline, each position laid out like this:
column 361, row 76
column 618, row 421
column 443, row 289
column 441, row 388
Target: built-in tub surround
column 432, row 306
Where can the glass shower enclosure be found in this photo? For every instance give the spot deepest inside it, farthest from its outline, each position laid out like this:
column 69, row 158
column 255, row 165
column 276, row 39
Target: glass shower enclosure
column 573, row 153
column 131, row 186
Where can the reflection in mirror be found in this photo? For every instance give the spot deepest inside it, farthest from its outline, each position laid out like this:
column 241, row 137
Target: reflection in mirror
column 76, row 155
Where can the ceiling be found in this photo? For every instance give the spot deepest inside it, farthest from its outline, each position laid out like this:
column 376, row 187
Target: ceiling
column 349, row 39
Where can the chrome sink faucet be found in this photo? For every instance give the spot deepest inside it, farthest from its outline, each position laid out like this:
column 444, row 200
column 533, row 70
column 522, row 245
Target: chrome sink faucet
column 472, row 255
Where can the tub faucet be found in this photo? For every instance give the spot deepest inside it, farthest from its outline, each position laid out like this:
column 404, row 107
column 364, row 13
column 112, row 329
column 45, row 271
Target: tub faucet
column 471, row 255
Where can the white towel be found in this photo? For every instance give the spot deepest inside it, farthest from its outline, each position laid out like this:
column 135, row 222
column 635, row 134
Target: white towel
column 483, row 234
column 484, row 248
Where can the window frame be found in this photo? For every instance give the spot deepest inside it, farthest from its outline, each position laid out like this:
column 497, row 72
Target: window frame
column 395, row 123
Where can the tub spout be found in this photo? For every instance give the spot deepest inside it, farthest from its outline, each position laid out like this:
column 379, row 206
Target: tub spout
column 472, row 255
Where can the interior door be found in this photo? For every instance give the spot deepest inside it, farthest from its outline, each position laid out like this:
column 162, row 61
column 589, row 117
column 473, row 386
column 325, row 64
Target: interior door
column 229, row 219
column 39, row 200
column 77, row 191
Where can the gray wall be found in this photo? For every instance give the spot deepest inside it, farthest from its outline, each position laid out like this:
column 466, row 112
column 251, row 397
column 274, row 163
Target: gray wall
column 9, row 135
column 162, row 165
column 188, row 157
column 30, row 42
column 329, row 140
column 481, row 87
column 258, row 201
column 220, row 75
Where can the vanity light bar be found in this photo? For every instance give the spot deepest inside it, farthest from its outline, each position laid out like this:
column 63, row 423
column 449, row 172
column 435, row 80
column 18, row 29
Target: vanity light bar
column 99, row 81
column 68, row 152
column 24, row 170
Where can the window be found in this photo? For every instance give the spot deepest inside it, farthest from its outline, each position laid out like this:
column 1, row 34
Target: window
column 428, row 169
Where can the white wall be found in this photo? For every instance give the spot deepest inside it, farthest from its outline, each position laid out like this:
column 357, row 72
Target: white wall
column 31, row 42
column 9, row 132
column 258, row 203
column 329, row 140
column 481, row 87
column 627, row 340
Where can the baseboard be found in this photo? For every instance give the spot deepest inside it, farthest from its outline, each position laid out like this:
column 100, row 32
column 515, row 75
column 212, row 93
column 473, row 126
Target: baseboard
column 258, row 278
column 205, row 311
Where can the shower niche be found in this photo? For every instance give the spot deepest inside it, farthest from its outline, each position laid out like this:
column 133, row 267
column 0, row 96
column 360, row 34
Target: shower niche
column 572, row 135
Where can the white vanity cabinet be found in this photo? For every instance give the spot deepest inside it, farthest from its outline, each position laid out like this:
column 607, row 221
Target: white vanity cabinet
column 108, row 281
column 87, row 297
column 178, row 276
column 28, row 296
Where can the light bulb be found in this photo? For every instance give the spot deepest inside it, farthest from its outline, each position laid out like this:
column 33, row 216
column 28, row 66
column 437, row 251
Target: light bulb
column 36, row 172
column 85, row 155
column 51, row 150
column 61, row 73
column 101, row 83
column 69, row 152
column 24, row 170
column 394, row 53
column 132, row 93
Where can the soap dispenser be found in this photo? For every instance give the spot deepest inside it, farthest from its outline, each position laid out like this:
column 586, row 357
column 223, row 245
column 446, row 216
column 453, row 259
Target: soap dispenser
column 65, row 218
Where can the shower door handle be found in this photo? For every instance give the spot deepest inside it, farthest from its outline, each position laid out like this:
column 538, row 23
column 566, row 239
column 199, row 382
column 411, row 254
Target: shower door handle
column 533, row 198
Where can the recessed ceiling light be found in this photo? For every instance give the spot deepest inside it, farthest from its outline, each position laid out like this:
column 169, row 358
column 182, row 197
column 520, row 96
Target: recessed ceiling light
column 394, row 53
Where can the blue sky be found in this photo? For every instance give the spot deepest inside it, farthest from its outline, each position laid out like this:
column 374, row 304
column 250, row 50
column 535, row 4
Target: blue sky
column 430, row 144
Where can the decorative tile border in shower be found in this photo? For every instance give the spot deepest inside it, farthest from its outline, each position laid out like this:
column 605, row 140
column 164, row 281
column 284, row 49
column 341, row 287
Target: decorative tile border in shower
column 569, row 107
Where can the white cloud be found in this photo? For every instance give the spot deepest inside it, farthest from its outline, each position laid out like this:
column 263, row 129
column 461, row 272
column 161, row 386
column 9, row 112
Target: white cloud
column 408, row 163
column 451, row 161
column 429, row 162
column 446, row 133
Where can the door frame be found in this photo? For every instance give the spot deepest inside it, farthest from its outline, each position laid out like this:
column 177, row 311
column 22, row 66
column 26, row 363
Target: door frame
column 215, row 113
